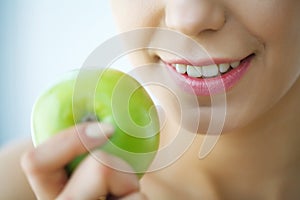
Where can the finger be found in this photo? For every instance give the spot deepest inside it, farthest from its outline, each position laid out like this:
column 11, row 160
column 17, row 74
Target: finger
column 65, row 146
column 44, row 166
column 92, row 179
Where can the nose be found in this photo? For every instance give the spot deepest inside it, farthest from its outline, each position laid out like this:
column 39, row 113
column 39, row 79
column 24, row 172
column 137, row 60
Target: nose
column 192, row 17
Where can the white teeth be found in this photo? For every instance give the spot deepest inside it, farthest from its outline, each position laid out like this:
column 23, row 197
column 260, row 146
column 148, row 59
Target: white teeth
column 224, row 67
column 235, row 64
column 180, row 68
column 194, row 71
column 205, row 71
column 210, row 71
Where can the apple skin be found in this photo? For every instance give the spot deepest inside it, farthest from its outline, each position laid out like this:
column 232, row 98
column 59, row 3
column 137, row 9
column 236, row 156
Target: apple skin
column 107, row 96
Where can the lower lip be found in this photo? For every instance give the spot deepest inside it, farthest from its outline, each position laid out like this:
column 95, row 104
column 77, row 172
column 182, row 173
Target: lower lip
column 211, row 86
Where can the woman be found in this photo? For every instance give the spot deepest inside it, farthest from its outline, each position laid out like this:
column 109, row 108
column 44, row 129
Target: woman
column 257, row 155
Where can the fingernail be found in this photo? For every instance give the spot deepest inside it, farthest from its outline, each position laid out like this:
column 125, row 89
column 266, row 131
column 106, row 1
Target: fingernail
column 99, row 130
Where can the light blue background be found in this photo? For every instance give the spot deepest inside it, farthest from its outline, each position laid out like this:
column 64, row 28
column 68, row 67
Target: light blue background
column 41, row 39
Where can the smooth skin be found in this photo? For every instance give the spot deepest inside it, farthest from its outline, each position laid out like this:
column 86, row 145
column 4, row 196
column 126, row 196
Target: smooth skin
column 257, row 156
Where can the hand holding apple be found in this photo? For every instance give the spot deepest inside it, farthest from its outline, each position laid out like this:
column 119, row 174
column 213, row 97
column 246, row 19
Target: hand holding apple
column 106, row 96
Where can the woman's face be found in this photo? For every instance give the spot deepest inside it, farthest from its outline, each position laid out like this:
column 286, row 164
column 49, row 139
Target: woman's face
column 263, row 34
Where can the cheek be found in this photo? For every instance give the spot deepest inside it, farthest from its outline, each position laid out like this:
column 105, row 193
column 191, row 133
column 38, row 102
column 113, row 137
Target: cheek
column 132, row 14
column 268, row 20
column 277, row 67
column 282, row 44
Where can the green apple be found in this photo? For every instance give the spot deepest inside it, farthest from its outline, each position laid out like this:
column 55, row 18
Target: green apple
column 104, row 95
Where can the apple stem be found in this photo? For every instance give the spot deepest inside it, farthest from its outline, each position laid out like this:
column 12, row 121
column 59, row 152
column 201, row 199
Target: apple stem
column 90, row 117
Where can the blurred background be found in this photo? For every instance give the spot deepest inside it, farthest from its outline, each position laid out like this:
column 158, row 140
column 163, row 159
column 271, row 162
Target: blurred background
column 40, row 40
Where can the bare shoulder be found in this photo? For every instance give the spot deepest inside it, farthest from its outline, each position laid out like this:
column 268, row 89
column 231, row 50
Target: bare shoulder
column 13, row 181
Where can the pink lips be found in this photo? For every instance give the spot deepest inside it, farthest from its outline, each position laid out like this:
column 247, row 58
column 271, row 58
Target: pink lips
column 211, row 86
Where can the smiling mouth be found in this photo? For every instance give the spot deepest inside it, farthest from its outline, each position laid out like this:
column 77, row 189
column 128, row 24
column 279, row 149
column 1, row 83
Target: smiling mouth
column 209, row 78
column 207, row 71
